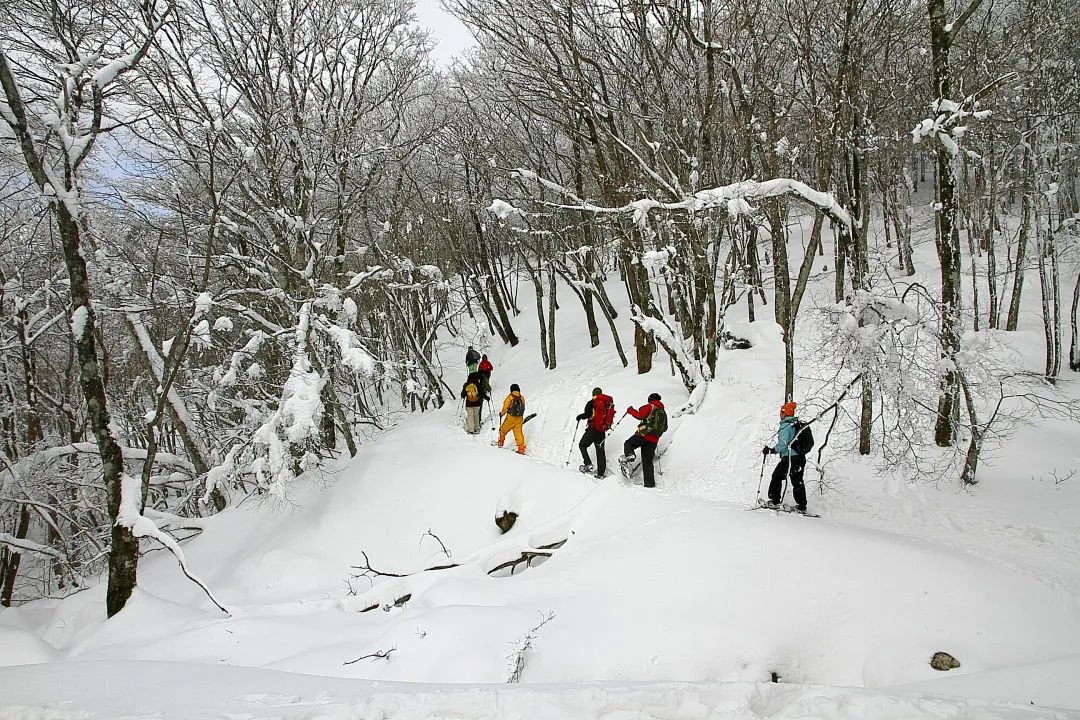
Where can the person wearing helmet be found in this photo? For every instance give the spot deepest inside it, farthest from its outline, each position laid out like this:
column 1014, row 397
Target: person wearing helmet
column 791, row 464
column 653, row 424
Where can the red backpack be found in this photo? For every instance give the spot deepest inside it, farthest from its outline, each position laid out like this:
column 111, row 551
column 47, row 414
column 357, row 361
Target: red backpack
column 603, row 413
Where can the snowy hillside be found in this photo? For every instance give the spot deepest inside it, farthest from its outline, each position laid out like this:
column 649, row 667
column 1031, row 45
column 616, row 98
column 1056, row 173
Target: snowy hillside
column 677, row 602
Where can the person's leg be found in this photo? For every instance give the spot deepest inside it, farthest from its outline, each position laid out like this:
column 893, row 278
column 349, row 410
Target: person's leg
column 472, row 419
column 648, row 452
column 601, row 454
column 504, row 428
column 776, row 485
column 632, row 443
column 583, row 445
column 519, row 434
column 798, row 488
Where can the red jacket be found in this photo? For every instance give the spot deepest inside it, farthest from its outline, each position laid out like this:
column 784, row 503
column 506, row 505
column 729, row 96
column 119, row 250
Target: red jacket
column 485, row 366
column 642, row 413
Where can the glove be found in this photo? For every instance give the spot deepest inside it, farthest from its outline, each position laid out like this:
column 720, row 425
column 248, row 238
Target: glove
column 767, row 450
column 581, row 417
column 630, row 409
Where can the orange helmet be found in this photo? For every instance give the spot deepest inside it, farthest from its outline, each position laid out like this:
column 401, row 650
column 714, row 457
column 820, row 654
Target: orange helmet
column 787, row 409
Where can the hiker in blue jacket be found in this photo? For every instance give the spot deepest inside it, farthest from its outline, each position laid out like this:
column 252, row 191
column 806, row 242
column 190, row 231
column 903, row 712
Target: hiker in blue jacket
column 791, row 463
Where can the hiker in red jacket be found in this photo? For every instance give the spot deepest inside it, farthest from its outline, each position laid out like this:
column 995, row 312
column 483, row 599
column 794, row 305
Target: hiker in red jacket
column 485, row 367
column 653, row 424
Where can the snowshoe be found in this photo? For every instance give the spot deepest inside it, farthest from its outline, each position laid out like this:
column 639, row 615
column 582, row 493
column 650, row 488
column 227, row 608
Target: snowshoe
column 781, row 508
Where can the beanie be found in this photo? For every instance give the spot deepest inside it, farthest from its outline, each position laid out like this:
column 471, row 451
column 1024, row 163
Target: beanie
column 597, row 391
column 515, row 388
column 654, row 396
column 787, row 409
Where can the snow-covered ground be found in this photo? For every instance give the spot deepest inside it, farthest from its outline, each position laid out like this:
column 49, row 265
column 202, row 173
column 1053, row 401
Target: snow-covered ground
column 676, row 602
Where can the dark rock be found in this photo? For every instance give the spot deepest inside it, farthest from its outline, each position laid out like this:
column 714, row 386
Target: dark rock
column 944, row 661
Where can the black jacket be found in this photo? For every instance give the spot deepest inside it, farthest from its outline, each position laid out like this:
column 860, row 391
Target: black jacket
column 587, row 413
column 481, row 382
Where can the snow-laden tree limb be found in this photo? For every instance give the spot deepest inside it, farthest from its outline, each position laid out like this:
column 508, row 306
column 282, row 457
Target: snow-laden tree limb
column 29, row 546
column 142, row 526
column 506, row 553
column 945, row 124
column 713, row 198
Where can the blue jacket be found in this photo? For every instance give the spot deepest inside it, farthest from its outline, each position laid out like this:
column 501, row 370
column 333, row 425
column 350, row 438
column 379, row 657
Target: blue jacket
column 785, row 435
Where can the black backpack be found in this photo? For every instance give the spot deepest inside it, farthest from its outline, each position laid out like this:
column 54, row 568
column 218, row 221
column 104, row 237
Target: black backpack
column 803, row 440
column 517, row 406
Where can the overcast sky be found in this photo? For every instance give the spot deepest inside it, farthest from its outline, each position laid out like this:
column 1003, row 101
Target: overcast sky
column 450, row 35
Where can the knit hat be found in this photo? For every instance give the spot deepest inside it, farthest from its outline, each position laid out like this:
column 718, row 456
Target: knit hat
column 654, row 396
column 597, row 391
column 514, row 388
column 787, row 409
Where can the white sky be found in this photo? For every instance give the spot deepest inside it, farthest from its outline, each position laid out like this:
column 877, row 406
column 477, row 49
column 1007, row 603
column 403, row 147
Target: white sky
column 450, row 35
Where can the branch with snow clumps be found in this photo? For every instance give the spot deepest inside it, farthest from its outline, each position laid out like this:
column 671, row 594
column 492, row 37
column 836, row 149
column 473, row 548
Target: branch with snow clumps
column 729, row 197
column 142, row 526
column 507, row 553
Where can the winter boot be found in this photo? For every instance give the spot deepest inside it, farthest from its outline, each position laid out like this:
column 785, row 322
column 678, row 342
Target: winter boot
column 521, row 450
column 502, row 439
column 586, row 468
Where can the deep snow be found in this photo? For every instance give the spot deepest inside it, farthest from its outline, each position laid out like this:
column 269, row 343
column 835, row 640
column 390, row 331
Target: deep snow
column 676, row 602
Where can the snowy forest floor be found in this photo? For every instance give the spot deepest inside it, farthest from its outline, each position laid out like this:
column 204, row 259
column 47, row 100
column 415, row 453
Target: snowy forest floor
column 665, row 603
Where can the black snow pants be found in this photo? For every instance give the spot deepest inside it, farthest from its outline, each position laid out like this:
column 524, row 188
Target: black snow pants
column 795, row 464
column 592, row 436
column 648, row 451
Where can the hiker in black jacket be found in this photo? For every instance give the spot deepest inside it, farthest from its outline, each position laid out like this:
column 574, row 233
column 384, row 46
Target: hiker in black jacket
column 472, row 358
column 474, row 392
column 599, row 411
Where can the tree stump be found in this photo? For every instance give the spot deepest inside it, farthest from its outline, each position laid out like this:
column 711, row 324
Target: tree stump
column 506, row 520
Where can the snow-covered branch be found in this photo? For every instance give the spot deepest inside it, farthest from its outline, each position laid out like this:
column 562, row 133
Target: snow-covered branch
column 142, row 526
column 745, row 191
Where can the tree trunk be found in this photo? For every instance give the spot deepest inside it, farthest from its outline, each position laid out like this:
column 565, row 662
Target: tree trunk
column 1074, row 346
column 13, row 558
column 552, row 306
column 1022, row 242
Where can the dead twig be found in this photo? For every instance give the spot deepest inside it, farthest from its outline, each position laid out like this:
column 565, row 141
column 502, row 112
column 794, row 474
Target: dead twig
column 380, row 655
column 441, row 545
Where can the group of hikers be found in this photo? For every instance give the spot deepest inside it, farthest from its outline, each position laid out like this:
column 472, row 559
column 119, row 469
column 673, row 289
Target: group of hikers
column 599, row 412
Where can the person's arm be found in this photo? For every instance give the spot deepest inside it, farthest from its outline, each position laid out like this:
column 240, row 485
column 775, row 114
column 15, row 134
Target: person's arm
column 587, row 413
column 638, row 414
column 506, row 405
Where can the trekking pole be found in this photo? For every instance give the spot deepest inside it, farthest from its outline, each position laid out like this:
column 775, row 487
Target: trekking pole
column 612, row 428
column 571, row 453
column 491, row 411
column 761, row 475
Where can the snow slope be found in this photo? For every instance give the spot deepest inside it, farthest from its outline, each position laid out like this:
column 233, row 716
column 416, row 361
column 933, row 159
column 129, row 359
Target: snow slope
column 668, row 603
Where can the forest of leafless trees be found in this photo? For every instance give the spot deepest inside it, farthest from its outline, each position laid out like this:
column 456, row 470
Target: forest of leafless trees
column 234, row 234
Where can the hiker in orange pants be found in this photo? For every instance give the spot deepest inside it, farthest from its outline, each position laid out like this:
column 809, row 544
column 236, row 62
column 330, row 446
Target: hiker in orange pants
column 513, row 418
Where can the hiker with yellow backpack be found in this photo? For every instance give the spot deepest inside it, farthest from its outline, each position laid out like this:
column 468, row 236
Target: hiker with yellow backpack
column 474, row 392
